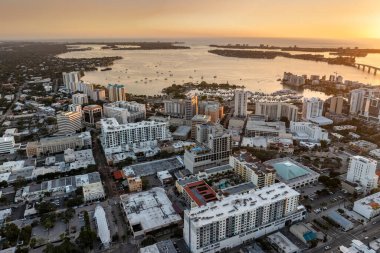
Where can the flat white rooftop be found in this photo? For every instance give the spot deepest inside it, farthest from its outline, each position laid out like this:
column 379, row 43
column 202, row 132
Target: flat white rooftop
column 151, row 209
column 238, row 204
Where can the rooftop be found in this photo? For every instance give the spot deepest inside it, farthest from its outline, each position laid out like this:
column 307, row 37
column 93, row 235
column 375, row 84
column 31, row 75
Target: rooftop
column 237, row 204
column 200, row 192
column 371, row 202
column 289, row 170
column 283, row 243
column 149, row 210
column 150, row 168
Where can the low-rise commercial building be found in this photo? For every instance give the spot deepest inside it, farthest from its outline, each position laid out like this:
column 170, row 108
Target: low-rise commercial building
column 306, row 131
column 293, row 173
column 362, row 146
column 256, row 128
column 149, row 211
column 369, row 206
column 199, row 193
column 93, row 192
column 282, row 244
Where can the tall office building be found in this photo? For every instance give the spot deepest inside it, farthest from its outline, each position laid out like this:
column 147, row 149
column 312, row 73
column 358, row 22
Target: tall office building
column 182, row 108
column 69, row 122
column 236, row 219
column 117, row 137
column 215, row 145
column 312, row 108
column 211, row 108
column 116, row 92
column 336, row 105
column 276, row 111
column 71, row 80
column 241, row 103
column 80, row 99
column 125, row 112
column 92, row 114
column 362, row 170
column 252, row 170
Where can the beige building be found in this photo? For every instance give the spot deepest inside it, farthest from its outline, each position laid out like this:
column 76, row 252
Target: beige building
column 52, row 145
column 69, row 122
column 134, row 184
column 252, row 170
column 93, row 192
column 336, row 105
column 198, row 119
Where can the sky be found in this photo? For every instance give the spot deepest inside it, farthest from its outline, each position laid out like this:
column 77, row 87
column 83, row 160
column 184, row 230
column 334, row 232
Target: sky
column 58, row 19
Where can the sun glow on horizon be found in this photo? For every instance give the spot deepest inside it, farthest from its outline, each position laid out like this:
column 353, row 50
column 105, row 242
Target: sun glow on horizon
column 338, row 19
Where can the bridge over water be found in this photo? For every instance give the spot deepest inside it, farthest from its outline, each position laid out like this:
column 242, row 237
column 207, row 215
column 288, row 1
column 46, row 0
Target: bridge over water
column 365, row 67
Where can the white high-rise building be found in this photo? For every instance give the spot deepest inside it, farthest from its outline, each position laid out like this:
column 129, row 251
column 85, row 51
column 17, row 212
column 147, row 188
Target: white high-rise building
column 86, row 88
column 7, row 145
column 116, row 138
column 356, row 100
column 98, row 95
column 74, row 108
column 69, row 122
column 312, row 108
column 362, row 170
column 125, row 112
column 80, row 99
column 236, row 219
column 71, row 80
column 275, row 111
column 116, row 92
column 241, row 102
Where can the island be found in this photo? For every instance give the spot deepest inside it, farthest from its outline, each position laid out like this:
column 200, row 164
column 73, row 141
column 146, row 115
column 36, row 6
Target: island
column 257, row 54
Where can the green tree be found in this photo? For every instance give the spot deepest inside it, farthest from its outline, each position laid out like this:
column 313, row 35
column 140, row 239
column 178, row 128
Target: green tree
column 11, row 232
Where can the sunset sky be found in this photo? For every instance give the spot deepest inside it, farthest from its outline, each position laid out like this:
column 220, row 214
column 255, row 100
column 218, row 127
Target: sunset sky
column 49, row 19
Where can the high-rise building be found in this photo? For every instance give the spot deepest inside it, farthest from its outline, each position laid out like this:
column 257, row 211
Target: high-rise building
column 236, row 219
column 365, row 103
column 362, row 170
column 69, row 122
column 71, row 80
column 312, row 108
column 116, row 92
column 211, row 108
column 182, row 108
column 198, row 119
column 92, row 114
column 241, row 103
column 214, row 148
column 86, row 88
column 98, row 95
column 336, row 105
column 125, row 112
column 252, row 170
column 117, row 137
column 356, row 100
column 74, row 108
column 276, row 111
column 80, row 99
